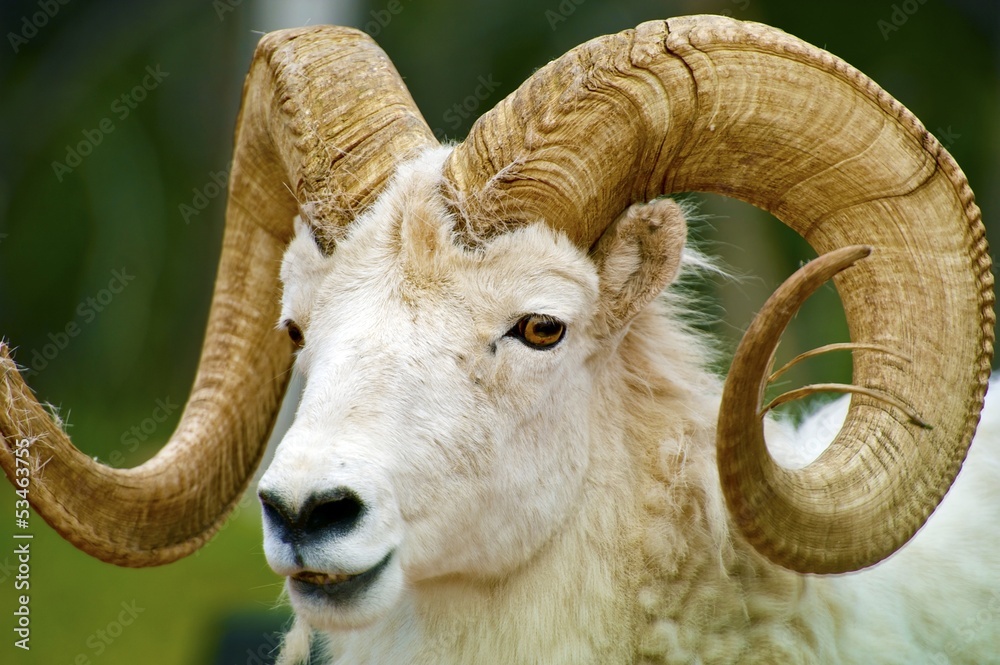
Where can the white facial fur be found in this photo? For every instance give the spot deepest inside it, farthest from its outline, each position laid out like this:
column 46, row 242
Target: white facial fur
column 466, row 447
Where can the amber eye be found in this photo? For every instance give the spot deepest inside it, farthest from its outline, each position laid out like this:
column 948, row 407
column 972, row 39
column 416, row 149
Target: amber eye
column 295, row 333
column 539, row 331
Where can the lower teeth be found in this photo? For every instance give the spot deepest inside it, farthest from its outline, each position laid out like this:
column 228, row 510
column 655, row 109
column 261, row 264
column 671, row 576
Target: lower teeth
column 322, row 578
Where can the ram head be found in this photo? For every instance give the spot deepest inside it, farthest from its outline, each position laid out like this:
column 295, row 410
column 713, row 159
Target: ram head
column 456, row 309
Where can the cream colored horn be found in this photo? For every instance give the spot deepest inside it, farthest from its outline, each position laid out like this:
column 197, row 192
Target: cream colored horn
column 324, row 122
column 706, row 103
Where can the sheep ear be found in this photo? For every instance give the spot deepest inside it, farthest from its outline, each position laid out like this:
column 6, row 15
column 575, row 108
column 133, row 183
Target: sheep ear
column 637, row 257
column 302, row 269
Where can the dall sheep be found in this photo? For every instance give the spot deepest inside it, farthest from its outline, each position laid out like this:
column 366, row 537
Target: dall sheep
column 508, row 448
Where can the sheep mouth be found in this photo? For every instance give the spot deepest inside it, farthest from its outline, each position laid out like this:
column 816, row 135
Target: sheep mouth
column 322, row 579
column 337, row 587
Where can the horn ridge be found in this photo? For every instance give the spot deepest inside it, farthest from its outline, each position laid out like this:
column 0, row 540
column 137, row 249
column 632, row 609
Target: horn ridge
column 707, row 103
column 325, row 119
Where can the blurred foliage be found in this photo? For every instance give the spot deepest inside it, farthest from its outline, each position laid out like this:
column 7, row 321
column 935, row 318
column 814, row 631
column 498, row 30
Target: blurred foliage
column 62, row 235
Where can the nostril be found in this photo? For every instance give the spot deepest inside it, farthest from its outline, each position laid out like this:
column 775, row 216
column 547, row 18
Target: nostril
column 337, row 511
column 334, row 512
column 277, row 513
column 273, row 515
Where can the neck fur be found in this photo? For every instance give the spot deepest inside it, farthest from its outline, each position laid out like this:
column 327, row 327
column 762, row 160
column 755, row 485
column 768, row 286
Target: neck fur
column 645, row 567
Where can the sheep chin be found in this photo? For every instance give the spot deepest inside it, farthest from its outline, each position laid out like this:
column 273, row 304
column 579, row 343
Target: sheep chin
column 338, row 601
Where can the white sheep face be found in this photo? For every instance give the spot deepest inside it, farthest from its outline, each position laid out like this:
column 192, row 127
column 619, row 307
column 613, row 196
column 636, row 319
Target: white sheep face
column 430, row 440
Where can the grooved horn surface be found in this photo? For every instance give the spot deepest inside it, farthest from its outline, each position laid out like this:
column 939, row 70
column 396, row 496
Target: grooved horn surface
column 706, row 103
column 324, row 121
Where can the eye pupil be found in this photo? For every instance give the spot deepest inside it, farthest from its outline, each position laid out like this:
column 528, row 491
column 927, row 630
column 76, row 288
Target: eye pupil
column 539, row 331
column 295, row 333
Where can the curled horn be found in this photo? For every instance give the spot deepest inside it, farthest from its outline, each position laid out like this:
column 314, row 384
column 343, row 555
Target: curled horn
column 711, row 104
column 325, row 120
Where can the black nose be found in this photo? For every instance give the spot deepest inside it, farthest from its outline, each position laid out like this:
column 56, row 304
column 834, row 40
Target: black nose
column 326, row 514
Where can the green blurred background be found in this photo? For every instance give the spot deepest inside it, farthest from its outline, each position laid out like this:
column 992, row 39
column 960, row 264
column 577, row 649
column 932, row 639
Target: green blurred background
column 146, row 202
